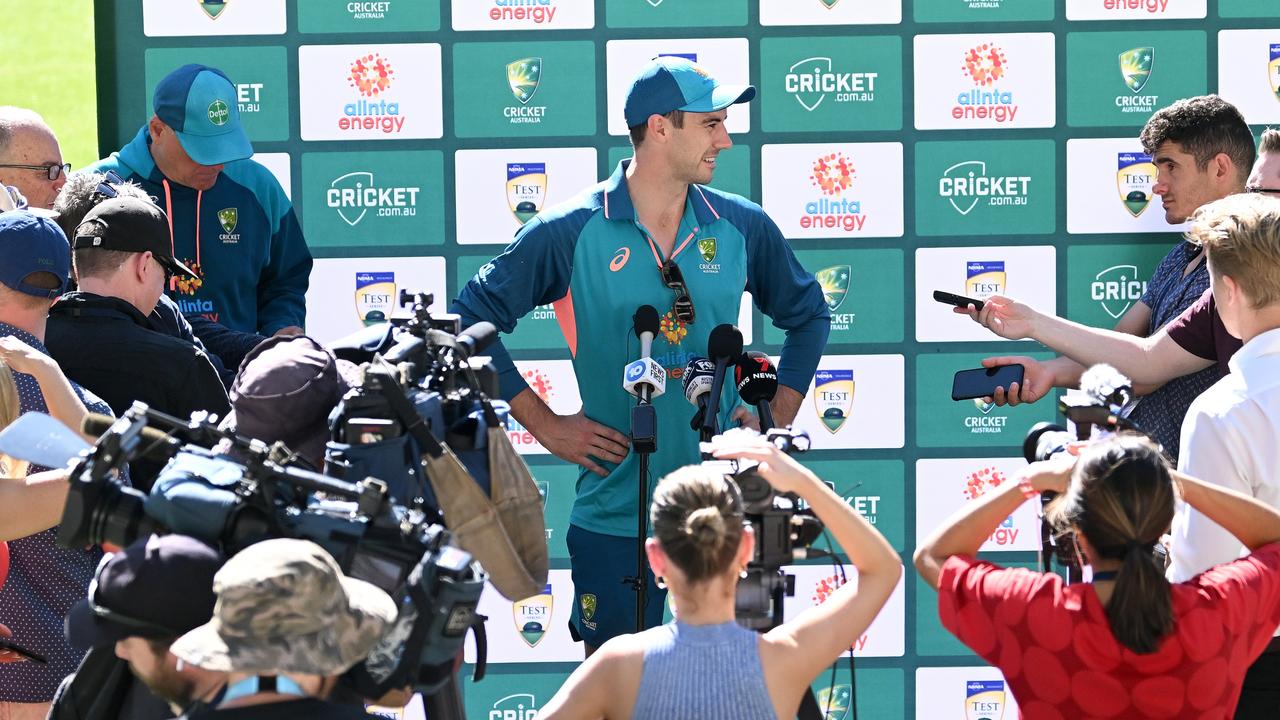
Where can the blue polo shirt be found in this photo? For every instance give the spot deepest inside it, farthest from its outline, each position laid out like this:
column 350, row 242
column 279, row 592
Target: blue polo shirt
column 595, row 262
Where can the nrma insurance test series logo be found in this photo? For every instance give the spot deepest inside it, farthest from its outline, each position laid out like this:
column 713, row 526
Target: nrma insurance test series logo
column 1273, row 69
column 984, row 700
column 986, row 65
column 526, row 189
column 833, row 176
column 833, row 397
column 984, row 278
column 1135, row 177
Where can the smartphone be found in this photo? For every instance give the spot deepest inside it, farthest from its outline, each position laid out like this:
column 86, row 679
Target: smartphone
column 7, row 644
column 982, row 382
column 959, row 301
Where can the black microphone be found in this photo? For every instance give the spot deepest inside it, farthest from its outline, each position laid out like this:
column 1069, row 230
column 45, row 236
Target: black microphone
column 698, row 374
column 723, row 346
column 645, row 379
column 159, row 446
column 757, row 382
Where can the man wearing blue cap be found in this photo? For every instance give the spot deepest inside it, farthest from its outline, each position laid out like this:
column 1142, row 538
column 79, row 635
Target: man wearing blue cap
column 650, row 234
column 230, row 219
column 44, row 579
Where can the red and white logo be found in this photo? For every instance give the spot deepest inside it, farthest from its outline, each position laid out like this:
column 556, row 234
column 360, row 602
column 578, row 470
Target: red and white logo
column 371, row 75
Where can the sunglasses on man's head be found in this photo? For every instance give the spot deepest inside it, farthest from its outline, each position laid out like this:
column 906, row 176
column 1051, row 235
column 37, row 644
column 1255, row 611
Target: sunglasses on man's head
column 1267, row 190
column 674, row 279
column 52, row 171
column 107, row 188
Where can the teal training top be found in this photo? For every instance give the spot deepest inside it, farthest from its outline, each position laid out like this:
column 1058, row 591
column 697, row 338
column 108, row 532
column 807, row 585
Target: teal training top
column 593, row 260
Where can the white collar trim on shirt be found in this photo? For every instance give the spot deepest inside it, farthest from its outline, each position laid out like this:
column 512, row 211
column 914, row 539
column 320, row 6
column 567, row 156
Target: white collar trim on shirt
column 1249, row 358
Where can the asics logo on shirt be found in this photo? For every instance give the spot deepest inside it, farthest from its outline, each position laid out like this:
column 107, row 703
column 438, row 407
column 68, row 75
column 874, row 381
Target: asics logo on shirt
column 620, row 259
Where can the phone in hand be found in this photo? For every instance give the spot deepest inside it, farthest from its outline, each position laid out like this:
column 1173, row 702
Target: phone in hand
column 7, row 644
column 959, row 301
column 982, row 382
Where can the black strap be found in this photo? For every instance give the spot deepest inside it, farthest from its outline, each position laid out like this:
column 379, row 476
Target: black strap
column 414, row 423
column 809, row 709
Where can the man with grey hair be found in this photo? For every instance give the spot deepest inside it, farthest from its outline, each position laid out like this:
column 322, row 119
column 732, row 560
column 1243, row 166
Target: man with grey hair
column 30, row 158
column 287, row 623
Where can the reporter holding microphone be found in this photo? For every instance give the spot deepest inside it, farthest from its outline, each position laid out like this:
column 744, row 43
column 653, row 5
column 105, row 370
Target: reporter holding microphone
column 704, row 664
column 1129, row 644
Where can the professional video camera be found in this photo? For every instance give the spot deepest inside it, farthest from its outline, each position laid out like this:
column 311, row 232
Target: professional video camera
column 1095, row 412
column 784, row 533
column 238, row 494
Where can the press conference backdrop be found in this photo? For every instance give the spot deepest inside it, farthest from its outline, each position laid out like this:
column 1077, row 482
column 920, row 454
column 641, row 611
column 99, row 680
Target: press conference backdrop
column 973, row 146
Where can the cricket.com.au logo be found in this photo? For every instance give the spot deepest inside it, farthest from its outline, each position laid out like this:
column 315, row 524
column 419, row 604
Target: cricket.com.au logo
column 967, row 183
column 1117, row 288
column 523, row 78
column 372, row 76
column 1136, row 66
column 355, row 194
column 834, row 282
column 812, row 80
column 519, row 706
column 833, row 176
column 985, row 65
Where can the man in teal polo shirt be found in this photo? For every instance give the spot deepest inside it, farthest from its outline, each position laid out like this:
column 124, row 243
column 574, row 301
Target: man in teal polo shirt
column 613, row 248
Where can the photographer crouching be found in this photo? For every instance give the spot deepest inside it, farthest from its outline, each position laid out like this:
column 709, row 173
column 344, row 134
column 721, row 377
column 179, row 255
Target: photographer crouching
column 704, row 664
column 1129, row 643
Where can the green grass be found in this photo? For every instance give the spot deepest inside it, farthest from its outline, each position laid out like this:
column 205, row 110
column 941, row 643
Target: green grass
column 47, row 64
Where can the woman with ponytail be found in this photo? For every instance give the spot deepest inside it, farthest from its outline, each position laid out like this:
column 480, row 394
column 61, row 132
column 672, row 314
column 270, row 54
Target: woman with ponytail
column 704, row 665
column 1128, row 644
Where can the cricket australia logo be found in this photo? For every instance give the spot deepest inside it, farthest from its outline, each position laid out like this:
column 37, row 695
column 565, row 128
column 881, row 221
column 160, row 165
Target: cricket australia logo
column 1135, row 67
column 227, row 218
column 523, row 76
column 834, row 282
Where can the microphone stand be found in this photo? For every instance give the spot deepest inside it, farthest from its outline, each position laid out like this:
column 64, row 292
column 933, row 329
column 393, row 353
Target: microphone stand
column 644, row 441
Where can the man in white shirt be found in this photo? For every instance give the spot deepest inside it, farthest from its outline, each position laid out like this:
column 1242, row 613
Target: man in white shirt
column 1231, row 434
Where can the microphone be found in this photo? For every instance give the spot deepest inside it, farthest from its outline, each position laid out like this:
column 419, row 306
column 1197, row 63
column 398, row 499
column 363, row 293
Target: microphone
column 477, row 337
column 645, row 379
column 160, row 446
column 723, row 346
column 757, row 382
column 698, row 375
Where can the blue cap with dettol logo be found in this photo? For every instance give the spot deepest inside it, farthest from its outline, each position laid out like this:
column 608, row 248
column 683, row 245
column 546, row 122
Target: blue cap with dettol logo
column 199, row 103
column 674, row 83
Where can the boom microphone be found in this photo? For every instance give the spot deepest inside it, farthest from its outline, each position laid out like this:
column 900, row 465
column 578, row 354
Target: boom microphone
column 159, row 446
column 757, row 382
column 723, row 346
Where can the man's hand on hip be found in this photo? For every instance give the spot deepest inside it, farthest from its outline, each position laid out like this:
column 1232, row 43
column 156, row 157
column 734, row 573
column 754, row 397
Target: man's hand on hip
column 579, row 439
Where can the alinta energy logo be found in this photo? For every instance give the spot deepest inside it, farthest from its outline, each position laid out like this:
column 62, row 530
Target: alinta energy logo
column 833, row 175
column 353, row 195
column 542, row 386
column 536, row 12
column 523, row 77
column 977, row 484
column 1273, row 69
column 371, row 76
column 810, row 80
column 1136, row 66
column 1135, row 178
column 1117, row 288
column 825, row 587
column 985, row 65
column 834, row 282
column 966, row 184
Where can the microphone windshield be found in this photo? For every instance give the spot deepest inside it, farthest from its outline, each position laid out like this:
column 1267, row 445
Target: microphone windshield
column 646, row 320
column 699, row 375
column 756, row 377
column 478, row 337
column 725, row 343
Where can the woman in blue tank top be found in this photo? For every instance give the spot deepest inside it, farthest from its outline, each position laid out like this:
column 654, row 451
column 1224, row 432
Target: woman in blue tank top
column 704, row 665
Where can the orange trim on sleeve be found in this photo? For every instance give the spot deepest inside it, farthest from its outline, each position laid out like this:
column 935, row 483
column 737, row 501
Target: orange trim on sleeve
column 568, row 324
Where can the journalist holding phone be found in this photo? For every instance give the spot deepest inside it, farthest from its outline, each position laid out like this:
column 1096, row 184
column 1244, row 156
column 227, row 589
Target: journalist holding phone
column 704, row 664
column 1128, row 644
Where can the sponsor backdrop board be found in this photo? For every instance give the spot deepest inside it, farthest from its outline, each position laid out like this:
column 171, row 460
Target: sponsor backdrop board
column 974, row 146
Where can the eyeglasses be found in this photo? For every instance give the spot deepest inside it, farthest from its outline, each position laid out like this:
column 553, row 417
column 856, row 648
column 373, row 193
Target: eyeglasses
column 110, row 615
column 107, row 188
column 168, row 274
column 50, row 171
column 1270, row 191
column 674, row 279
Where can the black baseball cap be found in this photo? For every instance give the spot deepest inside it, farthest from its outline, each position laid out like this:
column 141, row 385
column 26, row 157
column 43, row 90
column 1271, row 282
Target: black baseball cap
column 129, row 224
column 158, row 587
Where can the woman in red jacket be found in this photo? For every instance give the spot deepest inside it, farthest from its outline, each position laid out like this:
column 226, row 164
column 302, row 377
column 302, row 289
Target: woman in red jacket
column 1128, row 644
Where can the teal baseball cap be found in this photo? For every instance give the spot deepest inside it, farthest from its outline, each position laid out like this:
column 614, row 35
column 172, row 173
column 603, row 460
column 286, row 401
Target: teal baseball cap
column 674, row 83
column 199, row 103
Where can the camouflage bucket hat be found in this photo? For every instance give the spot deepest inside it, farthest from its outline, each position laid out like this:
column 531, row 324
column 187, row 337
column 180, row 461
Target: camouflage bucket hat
column 285, row 606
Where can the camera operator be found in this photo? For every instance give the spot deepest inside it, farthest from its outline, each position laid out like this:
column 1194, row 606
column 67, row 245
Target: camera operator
column 142, row 599
column 704, row 664
column 1128, row 644
column 287, row 623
